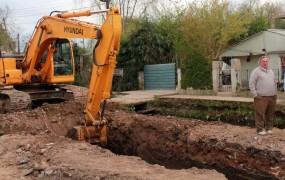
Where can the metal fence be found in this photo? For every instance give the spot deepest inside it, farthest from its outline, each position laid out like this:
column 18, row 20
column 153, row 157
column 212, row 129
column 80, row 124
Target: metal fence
column 244, row 75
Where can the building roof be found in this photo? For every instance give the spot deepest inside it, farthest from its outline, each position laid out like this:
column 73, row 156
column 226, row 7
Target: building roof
column 277, row 31
column 265, row 42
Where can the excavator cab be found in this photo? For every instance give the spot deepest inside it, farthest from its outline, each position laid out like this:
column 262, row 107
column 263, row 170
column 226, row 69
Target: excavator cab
column 63, row 58
column 59, row 62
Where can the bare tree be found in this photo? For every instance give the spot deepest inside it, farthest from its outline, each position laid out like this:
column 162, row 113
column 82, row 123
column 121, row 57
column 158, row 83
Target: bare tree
column 270, row 10
column 128, row 8
column 273, row 11
column 7, row 30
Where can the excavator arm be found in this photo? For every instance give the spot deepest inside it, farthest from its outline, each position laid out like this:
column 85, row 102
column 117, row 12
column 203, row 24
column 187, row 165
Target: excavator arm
column 94, row 128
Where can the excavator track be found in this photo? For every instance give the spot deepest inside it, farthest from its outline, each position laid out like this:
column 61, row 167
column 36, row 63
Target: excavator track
column 78, row 92
column 13, row 100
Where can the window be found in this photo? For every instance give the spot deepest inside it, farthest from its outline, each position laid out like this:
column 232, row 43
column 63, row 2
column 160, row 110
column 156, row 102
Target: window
column 62, row 58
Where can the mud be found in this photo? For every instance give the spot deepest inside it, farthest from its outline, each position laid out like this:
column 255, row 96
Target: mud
column 33, row 145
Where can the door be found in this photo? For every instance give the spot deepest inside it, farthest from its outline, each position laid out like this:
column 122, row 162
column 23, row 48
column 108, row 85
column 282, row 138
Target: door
column 160, row 77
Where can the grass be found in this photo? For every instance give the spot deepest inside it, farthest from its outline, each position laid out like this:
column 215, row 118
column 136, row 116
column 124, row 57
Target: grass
column 236, row 113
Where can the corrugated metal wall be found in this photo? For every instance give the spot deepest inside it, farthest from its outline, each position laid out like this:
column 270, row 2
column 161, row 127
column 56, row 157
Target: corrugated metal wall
column 159, row 76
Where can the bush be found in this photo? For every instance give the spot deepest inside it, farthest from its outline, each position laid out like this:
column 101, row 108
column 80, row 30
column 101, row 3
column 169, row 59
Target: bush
column 196, row 72
column 148, row 44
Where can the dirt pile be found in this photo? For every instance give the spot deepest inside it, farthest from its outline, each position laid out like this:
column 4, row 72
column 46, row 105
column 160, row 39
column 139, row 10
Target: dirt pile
column 32, row 146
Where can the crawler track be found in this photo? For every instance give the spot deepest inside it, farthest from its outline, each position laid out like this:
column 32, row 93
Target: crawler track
column 78, row 92
column 14, row 100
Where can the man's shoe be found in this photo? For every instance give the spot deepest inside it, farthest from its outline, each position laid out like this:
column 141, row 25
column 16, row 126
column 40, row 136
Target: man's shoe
column 263, row 132
column 269, row 132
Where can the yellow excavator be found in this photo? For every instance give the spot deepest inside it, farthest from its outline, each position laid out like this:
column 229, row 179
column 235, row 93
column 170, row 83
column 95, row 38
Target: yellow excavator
column 48, row 63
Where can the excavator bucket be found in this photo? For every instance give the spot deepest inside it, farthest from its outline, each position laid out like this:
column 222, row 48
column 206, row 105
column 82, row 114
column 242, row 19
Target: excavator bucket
column 91, row 134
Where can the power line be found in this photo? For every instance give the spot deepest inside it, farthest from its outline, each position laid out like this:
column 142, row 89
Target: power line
column 44, row 6
column 34, row 13
column 39, row 7
column 47, row 13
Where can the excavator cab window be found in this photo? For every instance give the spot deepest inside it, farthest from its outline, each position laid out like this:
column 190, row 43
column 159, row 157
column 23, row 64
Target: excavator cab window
column 62, row 58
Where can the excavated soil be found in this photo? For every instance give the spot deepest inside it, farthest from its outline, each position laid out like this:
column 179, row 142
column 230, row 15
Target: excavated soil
column 33, row 145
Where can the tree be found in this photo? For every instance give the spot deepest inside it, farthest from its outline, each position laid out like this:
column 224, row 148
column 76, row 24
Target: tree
column 196, row 72
column 264, row 16
column 280, row 24
column 149, row 44
column 82, row 78
column 9, row 30
column 131, row 66
column 210, row 26
column 273, row 11
column 6, row 41
column 129, row 9
column 259, row 21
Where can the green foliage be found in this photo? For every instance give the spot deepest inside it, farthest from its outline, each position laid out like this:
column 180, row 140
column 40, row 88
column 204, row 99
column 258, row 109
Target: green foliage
column 279, row 122
column 210, row 26
column 3, row 37
column 131, row 108
column 272, row 11
column 82, row 78
column 163, row 110
column 150, row 43
column 132, row 26
column 260, row 23
column 280, row 24
column 196, row 72
column 6, row 41
column 237, row 113
column 126, row 60
column 7, row 30
column 264, row 17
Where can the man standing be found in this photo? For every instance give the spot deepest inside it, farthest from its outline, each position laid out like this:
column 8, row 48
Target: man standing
column 262, row 85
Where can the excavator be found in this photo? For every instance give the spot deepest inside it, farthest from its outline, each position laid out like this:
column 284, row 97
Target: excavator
column 47, row 68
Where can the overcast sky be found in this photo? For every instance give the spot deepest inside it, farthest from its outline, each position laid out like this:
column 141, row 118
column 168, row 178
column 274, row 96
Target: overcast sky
column 26, row 13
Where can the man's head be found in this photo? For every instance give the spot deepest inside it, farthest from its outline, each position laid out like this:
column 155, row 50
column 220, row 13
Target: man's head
column 263, row 61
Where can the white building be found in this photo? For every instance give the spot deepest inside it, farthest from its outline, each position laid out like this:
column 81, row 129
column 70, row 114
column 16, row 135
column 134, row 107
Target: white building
column 270, row 42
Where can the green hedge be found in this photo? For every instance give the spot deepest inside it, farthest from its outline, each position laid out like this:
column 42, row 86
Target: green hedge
column 196, row 72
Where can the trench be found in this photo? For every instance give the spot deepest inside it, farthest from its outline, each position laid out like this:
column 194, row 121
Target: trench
column 155, row 133
column 157, row 140
column 201, row 154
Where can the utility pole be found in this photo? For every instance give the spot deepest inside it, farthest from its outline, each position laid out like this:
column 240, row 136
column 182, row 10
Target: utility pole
column 18, row 37
column 107, row 3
